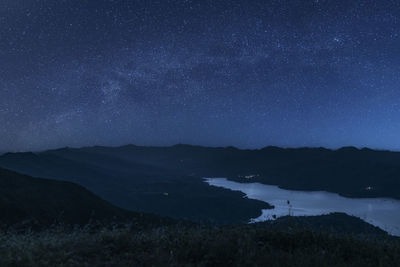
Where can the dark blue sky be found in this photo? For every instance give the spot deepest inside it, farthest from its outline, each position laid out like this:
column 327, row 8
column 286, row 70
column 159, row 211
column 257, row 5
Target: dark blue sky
column 243, row 73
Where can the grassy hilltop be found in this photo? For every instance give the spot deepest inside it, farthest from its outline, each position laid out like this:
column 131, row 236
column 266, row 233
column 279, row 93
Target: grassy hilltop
column 247, row 245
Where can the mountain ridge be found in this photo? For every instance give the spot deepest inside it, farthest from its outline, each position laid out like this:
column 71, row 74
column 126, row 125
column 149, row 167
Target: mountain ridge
column 169, row 180
column 131, row 145
column 45, row 201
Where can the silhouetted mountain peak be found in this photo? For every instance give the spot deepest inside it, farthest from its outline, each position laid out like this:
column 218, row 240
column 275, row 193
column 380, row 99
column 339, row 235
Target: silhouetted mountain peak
column 184, row 146
column 272, row 148
column 348, row 149
column 125, row 146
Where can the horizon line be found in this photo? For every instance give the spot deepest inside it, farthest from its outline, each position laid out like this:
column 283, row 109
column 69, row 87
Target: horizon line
column 202, row 146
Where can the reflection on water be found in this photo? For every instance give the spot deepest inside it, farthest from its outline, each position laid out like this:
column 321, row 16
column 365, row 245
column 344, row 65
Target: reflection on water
column 381, row 212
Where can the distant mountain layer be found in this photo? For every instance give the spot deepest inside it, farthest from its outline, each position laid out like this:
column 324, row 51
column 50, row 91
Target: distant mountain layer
column 131, row 184
column 23, row 198
column 168, row 180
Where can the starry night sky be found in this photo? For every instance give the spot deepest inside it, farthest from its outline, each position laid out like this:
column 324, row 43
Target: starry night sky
column 243, row 73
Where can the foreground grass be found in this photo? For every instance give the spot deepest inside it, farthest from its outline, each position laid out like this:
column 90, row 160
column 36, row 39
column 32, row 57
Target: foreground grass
column 249, row 245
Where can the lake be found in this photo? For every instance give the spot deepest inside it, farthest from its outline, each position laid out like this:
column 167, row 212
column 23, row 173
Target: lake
column 381, row 212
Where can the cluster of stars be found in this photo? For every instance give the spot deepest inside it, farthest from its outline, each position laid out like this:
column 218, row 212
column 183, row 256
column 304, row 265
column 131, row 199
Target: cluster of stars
column 288, row 73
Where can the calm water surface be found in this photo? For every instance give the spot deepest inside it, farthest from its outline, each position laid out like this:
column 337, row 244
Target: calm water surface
column 381, row 212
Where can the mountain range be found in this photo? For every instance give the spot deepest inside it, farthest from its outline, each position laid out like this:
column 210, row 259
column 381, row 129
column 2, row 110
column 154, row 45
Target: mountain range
column 169, row 180
column 36, row 203
column 108, row 195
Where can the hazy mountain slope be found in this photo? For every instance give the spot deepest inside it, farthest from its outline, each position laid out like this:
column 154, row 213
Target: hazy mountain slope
column 348, row 171
column 138, row 186
column 25, row 198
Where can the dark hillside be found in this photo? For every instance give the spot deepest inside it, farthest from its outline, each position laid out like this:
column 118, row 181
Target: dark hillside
column 244, row 245
column 43, row 201
column 138, row 186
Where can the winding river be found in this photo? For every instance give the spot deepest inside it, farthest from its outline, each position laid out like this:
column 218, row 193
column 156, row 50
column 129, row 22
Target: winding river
column 381, row 212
